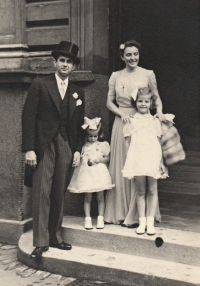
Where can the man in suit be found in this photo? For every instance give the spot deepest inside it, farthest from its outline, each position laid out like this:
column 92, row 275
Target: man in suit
column 52, row 140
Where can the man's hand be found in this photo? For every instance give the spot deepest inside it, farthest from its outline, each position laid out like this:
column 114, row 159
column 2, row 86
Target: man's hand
column 31, row 158
column 76, row 160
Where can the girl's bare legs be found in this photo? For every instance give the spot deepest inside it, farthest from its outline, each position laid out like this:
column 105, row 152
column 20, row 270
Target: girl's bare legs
column 152, row 197
column 100, row 200
column 87, row 207
column 140, row 182
column 100, row 219
column 87, row 204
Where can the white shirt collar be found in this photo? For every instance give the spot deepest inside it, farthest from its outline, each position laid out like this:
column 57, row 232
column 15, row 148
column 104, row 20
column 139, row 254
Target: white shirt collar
column 59, row 81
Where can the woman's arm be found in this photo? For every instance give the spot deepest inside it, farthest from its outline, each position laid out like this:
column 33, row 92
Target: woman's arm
column 159, row 106
column 156, row 96
column 113, row 107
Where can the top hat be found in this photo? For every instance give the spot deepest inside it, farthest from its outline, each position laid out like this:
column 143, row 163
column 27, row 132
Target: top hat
column 67, row 49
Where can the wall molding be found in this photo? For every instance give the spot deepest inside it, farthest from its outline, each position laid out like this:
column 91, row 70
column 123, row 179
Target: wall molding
column 25, row 76
column 11, row 230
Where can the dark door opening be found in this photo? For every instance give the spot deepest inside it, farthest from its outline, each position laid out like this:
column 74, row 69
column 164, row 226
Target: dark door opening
column 169, row 32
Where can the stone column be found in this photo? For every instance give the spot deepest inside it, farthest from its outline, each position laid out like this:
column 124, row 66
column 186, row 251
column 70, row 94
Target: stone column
column 29, row 31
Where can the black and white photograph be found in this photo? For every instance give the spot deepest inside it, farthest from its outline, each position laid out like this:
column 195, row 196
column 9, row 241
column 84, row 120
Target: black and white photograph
column 100, row 142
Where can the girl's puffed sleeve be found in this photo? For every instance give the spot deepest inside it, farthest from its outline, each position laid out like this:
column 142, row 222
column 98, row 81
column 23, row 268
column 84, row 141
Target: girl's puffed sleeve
column 105, row 147
column 111, row 84
column 127, row 131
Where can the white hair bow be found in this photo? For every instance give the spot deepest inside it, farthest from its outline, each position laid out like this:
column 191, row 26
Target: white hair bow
column 134, row 93
column 91, row 123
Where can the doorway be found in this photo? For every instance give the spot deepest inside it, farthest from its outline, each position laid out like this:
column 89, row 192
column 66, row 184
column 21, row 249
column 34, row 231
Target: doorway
column 169, row 32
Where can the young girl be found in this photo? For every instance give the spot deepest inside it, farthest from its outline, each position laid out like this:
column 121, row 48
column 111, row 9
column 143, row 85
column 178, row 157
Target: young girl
column 92, row 175
column 144, row 158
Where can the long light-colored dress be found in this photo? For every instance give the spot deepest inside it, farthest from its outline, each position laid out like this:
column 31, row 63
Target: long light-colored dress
column 144, row 153
column 121, row 200
column 95, row 178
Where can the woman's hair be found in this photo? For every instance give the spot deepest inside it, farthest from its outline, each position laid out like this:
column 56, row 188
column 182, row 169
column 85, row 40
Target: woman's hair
column 99, row 132
column 131, row 43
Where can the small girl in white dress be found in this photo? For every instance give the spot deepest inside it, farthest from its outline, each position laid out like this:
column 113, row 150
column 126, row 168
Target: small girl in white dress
column 144, row 159
column 92, row 175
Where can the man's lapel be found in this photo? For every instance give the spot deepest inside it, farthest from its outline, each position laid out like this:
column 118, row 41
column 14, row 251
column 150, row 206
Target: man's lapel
column 72, row 100
column 53, row 90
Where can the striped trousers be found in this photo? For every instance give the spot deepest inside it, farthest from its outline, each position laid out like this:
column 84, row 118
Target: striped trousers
column 50, row 180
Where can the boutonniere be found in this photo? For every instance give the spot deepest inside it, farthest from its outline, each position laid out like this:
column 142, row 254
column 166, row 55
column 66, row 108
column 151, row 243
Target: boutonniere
column 75, row 95
column 78, row 102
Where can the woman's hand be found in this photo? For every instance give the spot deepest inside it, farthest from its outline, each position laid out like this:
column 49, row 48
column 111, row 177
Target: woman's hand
column 126, row 118
column 160, row 116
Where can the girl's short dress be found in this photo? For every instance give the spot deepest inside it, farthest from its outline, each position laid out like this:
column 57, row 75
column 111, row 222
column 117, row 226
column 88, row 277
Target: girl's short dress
column 95, row 178
column 144, row 153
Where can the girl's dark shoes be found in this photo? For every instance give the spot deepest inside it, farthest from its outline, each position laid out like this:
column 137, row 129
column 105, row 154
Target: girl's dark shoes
column 63, row 245
column 37, row 252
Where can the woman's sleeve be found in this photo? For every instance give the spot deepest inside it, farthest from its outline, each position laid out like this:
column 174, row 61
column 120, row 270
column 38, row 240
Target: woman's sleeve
column 111, row 84
column 152, row 81
column 127, row 131
column 105, row 148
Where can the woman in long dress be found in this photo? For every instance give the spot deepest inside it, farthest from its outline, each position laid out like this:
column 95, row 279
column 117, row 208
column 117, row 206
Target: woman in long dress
column 123, row 84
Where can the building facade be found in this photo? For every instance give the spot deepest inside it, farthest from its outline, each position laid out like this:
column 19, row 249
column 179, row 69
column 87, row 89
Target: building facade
column 30, row 29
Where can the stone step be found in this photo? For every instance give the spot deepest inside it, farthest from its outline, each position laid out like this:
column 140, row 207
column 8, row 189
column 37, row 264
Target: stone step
column 184, row 168
column 192, row 158
column 111, row 266
column 183, row 247
column 191, row 144
column 175, row 187
column 182, row 173
column 183, row 222
column 180, row 204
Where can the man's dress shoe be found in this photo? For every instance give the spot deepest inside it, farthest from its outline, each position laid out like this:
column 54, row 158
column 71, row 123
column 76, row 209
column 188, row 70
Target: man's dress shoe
column 37, row 252
column 63, row 245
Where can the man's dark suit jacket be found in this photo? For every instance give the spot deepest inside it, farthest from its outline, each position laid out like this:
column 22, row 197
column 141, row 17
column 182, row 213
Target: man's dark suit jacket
column 41, row 115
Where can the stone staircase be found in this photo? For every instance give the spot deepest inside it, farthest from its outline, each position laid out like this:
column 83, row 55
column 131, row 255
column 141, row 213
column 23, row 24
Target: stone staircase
column 179, row 194
column 119, row 256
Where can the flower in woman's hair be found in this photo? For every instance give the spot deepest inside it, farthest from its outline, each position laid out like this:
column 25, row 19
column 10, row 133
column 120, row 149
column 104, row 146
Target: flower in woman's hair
column 122, row 46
